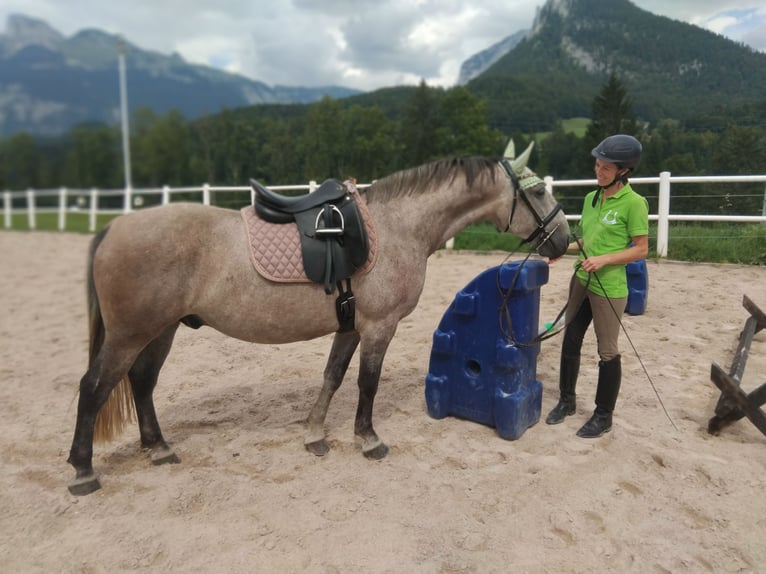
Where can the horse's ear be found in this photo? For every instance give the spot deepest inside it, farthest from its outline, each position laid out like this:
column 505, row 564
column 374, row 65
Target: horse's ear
column 510, row 150
column 519, row 163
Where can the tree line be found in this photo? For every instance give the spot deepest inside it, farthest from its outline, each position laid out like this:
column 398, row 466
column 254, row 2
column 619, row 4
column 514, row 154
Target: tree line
column 332, row 138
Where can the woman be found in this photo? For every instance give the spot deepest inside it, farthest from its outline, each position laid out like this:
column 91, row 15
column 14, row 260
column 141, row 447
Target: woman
column 615, row 228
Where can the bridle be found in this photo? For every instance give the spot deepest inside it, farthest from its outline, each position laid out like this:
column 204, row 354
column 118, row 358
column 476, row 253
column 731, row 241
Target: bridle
column 542, row 223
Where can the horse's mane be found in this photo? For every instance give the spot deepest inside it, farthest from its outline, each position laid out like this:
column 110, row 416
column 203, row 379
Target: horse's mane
column 431, row 175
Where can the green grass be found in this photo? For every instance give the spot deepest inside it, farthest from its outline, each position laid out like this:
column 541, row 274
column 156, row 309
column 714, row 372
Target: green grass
column 718, row 242
column 576, row 126
column 709, row 242
column 700, row 242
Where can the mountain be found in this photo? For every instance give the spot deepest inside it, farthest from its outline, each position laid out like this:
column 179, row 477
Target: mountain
column 51, row 83
column 478, row 63
column 670, row 69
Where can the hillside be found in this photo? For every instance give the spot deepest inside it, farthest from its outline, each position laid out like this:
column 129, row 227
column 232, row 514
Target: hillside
column 671, row 69
column 51, row 82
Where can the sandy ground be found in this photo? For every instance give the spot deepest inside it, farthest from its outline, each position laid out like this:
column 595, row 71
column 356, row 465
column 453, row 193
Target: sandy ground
column 452, row 496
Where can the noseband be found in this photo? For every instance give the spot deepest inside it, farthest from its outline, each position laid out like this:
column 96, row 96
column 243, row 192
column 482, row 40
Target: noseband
column 541, row 222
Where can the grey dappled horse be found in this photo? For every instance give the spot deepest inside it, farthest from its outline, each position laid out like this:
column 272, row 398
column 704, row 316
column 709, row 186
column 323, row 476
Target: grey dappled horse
column 153, row 269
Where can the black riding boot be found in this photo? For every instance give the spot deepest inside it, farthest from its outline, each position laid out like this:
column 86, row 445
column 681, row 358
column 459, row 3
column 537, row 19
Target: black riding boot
column 570, row 367
column 609, row 377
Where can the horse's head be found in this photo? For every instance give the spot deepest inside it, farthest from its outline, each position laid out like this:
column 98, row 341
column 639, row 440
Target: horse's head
column 535, row 215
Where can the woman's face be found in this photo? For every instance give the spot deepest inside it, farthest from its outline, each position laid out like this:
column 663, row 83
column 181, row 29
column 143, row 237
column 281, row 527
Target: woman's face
column 605, row 172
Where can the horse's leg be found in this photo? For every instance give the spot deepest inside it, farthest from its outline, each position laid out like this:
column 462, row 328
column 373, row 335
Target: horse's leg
column 143, row 378
column 343, row 347
column 102, row 376
column 373, row 351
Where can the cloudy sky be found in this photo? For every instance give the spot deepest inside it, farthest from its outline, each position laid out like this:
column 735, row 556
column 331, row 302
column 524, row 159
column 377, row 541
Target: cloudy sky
column 363, row 44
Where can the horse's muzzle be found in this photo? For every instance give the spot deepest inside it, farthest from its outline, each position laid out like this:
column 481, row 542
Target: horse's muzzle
column 554, row 243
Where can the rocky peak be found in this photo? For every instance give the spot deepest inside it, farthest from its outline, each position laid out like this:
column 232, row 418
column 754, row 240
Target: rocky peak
column 560, row 8
column 478, row 63
column 22, row 31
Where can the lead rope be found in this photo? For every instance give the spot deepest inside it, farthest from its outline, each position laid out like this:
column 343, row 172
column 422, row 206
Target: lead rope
column 505, row 314
column 504, row 311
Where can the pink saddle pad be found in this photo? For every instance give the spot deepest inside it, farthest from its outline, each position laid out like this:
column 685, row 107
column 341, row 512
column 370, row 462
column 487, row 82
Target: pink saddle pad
column 275, row 248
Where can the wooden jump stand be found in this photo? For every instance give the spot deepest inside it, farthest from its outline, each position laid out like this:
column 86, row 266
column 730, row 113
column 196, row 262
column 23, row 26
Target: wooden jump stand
column 734, row 403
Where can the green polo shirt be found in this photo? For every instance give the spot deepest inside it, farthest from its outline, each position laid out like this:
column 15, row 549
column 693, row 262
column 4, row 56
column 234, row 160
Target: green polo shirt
column 608, row 228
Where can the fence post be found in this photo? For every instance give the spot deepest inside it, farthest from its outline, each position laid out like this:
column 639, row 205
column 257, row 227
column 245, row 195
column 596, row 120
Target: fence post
column 763, row 209
column 663, row 211
column 31, row 211
column 7, row 205
column 128, row 202
column 165, row 194
column 548, row 179
column 93, row 210
column 312, row 185
column 206, row 194
column 62, row 208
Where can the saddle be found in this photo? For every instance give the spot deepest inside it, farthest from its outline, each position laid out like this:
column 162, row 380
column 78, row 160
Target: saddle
column 333, row 236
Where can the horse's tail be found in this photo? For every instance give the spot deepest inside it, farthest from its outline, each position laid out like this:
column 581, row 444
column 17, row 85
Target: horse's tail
column 119, row 408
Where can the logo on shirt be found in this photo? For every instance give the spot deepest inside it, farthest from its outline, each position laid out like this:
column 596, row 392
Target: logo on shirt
column 610, row 217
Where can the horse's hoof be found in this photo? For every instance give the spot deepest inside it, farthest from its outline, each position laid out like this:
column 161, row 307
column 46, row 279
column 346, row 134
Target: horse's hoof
column 84, row 485
column 377, row 452
column 318, row 447
column 164, row 456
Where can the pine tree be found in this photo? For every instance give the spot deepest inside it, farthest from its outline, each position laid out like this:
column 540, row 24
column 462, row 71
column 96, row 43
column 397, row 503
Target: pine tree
column 612, row 110
column 612, row 113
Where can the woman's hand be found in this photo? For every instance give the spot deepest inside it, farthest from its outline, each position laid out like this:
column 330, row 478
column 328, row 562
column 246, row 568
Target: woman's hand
column 592, row 264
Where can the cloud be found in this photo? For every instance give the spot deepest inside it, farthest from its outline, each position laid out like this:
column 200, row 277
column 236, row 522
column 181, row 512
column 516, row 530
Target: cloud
column 720, row 23
column 745, row 25
column 756, row 37
column 364, row 44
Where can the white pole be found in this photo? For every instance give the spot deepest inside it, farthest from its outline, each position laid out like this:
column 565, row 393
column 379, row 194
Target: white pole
column 125, row 126
column 62, row 208
column 548, row 183
column 31, row 210
column 663, row 212
column 763, row 209
column 93, row 210
column 7, row 206
column 206, row 194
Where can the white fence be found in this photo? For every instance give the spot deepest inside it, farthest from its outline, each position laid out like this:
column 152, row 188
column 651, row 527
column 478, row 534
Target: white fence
column 71, row 201
column 663, row 217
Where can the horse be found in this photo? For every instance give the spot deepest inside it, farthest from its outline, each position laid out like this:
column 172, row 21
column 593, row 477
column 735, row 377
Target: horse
column 151, row 270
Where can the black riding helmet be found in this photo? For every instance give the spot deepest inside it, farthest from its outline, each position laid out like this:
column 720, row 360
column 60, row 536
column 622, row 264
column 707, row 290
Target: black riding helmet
column 620, row 149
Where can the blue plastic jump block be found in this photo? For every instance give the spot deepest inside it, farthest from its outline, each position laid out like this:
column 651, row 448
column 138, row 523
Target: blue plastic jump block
column 476, row 372
column 638, row 287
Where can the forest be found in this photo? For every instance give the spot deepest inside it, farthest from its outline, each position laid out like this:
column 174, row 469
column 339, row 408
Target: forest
column 360, row 138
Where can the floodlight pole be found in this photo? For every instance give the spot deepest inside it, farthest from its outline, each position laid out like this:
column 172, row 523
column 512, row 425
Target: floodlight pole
column 125, row 127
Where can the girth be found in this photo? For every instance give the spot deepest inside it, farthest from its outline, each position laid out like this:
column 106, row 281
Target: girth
column 334, row 242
